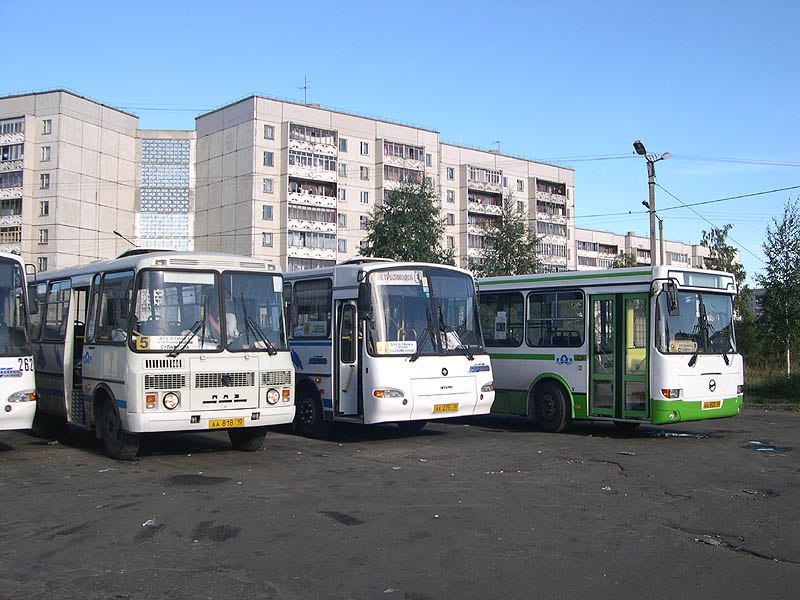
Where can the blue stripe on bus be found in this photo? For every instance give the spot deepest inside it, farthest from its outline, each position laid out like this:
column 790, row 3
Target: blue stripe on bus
column 122, row 403
column 327, row 403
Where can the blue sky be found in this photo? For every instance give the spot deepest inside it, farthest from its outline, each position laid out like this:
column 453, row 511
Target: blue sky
column 574, row 82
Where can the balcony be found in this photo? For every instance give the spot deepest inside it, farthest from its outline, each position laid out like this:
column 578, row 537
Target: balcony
column 304, row 252
column 12, row 192
column 304, row 198
column 484, row 209
column 11, row 248
column 550, row 197
column 12, row 138
column 312, row 147
column 11, row 165
column 11, row 221
column 319, row 226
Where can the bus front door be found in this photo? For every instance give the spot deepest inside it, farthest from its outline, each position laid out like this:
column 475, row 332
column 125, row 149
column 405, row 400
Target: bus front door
column 619, row 356
column 346, row 360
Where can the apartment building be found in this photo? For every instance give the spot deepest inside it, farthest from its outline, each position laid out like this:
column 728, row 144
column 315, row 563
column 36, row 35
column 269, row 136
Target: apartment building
column 296, row 184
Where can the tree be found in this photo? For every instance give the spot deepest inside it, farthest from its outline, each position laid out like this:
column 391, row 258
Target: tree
column 509, row 245
column 624, row 260
column 724, row 257
column 408, row 226
column 780, row 304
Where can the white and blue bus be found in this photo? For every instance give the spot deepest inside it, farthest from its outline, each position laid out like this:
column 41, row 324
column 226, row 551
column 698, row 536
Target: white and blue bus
column 641, row 345
column 17, row 393
column 163, row 341
column 377, row 341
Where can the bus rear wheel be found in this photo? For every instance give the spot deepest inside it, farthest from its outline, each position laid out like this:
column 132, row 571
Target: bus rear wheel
column 550, row 408
column 308, row 417
column 119, row 444
column 411, row 426
column 248, row 439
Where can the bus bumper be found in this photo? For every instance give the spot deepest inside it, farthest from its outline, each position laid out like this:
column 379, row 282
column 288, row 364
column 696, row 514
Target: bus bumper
column 680, row 411
column 199, row 420
column 17, row 415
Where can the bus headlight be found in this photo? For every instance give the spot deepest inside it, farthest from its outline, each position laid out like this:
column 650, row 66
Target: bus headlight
column 273, row 396
column 171, row 400
column 388, row 393
column 488, row 387
column 671, row 394
column 23, row 396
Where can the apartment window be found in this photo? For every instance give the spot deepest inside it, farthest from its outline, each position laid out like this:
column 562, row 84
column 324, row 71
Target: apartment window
column 266, row 185
column 364, row 173
column 269, row 132
column 451, row 242
column 342, row 170
column 10, row 207
column 520, row 206
column 342, row 144
column 342, row 245
column 45, row 153
column 342, row 193
column 266, row 212
column 44, row 181
column 44, row 208
column 364, row 197
column 505, row 182
column 266, row 240
column 451, row 173
column 41, row 264
column 44, row 236
column 269, row 159
column 520, row 185
column 363, row 222
column 451, row 219
column 342, row 220
column 428, row 160
column 364, row 148
column 47, row 128
column 451, row 195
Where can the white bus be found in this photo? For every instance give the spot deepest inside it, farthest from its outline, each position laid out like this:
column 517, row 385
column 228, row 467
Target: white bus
column 641, row 345
column 17, row 385
column 163, row 341
column 378, row 341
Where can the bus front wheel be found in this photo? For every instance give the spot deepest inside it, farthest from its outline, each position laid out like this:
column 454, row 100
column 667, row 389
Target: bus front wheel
column 550, row 408
column 308, row 417
column 119, row 443
column 248, row 439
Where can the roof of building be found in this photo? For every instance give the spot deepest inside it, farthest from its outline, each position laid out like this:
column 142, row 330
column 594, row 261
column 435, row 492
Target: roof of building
column 71, row 93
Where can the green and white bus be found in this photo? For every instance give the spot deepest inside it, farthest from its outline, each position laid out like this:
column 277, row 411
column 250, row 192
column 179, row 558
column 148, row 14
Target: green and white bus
column 641, row 345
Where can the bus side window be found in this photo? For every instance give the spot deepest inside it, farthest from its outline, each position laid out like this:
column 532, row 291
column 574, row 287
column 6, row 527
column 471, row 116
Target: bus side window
column 37, row 293
column 56, row 311
column 115, row 301
column 91, row 315
column 311, row 309
column 502, row 318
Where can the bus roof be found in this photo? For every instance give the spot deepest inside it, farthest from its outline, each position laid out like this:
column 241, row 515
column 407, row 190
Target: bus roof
column 346, row 273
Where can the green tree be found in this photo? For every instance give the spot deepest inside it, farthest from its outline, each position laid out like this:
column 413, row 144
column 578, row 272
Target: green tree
column 624, row 260
column 724, row 257
column 509, row 245
column 780, row 304
column 408, row 226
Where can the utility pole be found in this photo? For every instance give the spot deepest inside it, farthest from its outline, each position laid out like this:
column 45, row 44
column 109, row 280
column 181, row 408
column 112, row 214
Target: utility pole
column 660, row 233
column 652, row 159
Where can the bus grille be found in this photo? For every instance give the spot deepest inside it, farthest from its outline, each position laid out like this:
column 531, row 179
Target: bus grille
column 276, row 378
column 169, row 381
column 214, row 380
column 163, row 363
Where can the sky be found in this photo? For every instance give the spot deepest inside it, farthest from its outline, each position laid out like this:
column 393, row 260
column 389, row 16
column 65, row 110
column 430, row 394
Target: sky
column 574, row 83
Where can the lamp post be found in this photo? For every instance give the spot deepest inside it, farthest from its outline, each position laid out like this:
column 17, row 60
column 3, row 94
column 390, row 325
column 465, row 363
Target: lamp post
column 660, row 234
column 651, row 159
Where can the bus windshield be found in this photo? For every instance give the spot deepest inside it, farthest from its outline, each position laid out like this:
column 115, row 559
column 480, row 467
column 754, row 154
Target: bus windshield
column 703, row 325
column 253, row 311
column 13, row 336
column 419, row 311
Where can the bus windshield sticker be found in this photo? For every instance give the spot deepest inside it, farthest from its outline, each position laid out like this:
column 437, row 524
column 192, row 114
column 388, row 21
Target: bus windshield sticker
column 406, row 277
column 682, row 346
column 188, row 277
column 397, row 347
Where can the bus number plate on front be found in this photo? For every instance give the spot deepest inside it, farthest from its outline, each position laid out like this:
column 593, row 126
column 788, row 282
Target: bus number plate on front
column 437, row 408
column 712, row 404
column 225, row 423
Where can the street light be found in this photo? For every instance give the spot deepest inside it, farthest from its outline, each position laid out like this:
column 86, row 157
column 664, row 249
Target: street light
column 652, row 159
column 660, row 234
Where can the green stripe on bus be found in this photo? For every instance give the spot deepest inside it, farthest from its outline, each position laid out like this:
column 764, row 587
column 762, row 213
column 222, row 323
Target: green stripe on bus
column 581, row 275
column 523, row 356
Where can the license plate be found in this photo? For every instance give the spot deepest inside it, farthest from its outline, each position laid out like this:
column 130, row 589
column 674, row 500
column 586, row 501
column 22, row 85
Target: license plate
column 712, row 404
column 225, row 423
column 445, row 407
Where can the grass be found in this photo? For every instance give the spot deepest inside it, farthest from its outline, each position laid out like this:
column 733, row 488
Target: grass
column 766, row 383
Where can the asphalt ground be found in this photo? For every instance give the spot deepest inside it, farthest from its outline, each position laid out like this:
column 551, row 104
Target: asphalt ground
column 479, row 508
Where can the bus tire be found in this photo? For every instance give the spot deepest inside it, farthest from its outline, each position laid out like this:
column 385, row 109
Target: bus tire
column 119, row 444
column 550, row 407
column 48, row 426
column 308, row 416
column 408, row 427
column 625, row 426
column 248, row 439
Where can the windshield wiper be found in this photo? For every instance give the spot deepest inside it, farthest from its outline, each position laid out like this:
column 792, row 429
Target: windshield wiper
column 426, row 333
column 181, row 346
column 452, row 330
column 251, row 325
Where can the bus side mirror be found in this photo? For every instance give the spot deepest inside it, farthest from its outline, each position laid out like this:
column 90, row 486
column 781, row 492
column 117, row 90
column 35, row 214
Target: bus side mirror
column 671, row 290
column 33, row 304
column 364, row 298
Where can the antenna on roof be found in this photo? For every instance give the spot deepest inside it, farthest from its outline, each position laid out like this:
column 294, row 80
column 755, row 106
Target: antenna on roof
column 118, row 234
column 305, row 87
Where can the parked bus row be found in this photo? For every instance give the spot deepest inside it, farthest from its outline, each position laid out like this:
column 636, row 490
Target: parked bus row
column 185, row 341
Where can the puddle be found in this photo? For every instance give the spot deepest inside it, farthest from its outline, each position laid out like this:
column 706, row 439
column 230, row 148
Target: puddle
column 760, row 446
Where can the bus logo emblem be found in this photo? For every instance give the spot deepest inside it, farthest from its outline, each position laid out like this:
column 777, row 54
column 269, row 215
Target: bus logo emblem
column 444, row 371
column 564, row 360
column 712, row 385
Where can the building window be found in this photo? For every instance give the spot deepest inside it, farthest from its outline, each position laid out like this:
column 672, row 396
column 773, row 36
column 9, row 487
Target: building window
column 342, row 193
column 451, row 242
column 451, row 195
column 364, row 173
column 45, row 153
column 520, row 206
column 520, row 185
column 364, row 148
column 269, row 132
column 266, row 240
column 266, row 212
column 266, row 185
column 342, row 245
column 269, row 159
column 451, row 219
column 10, row 207
column 44, row 208
column 44, row 236
column 342, row 144
column 44, row 181
column 451, row 173
column 363, row 222
column 47, row 128
column 342, row 170
column 428, row 160
column 364, row 197
column 41, row 264
column 505, row 182
column 342, row 220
